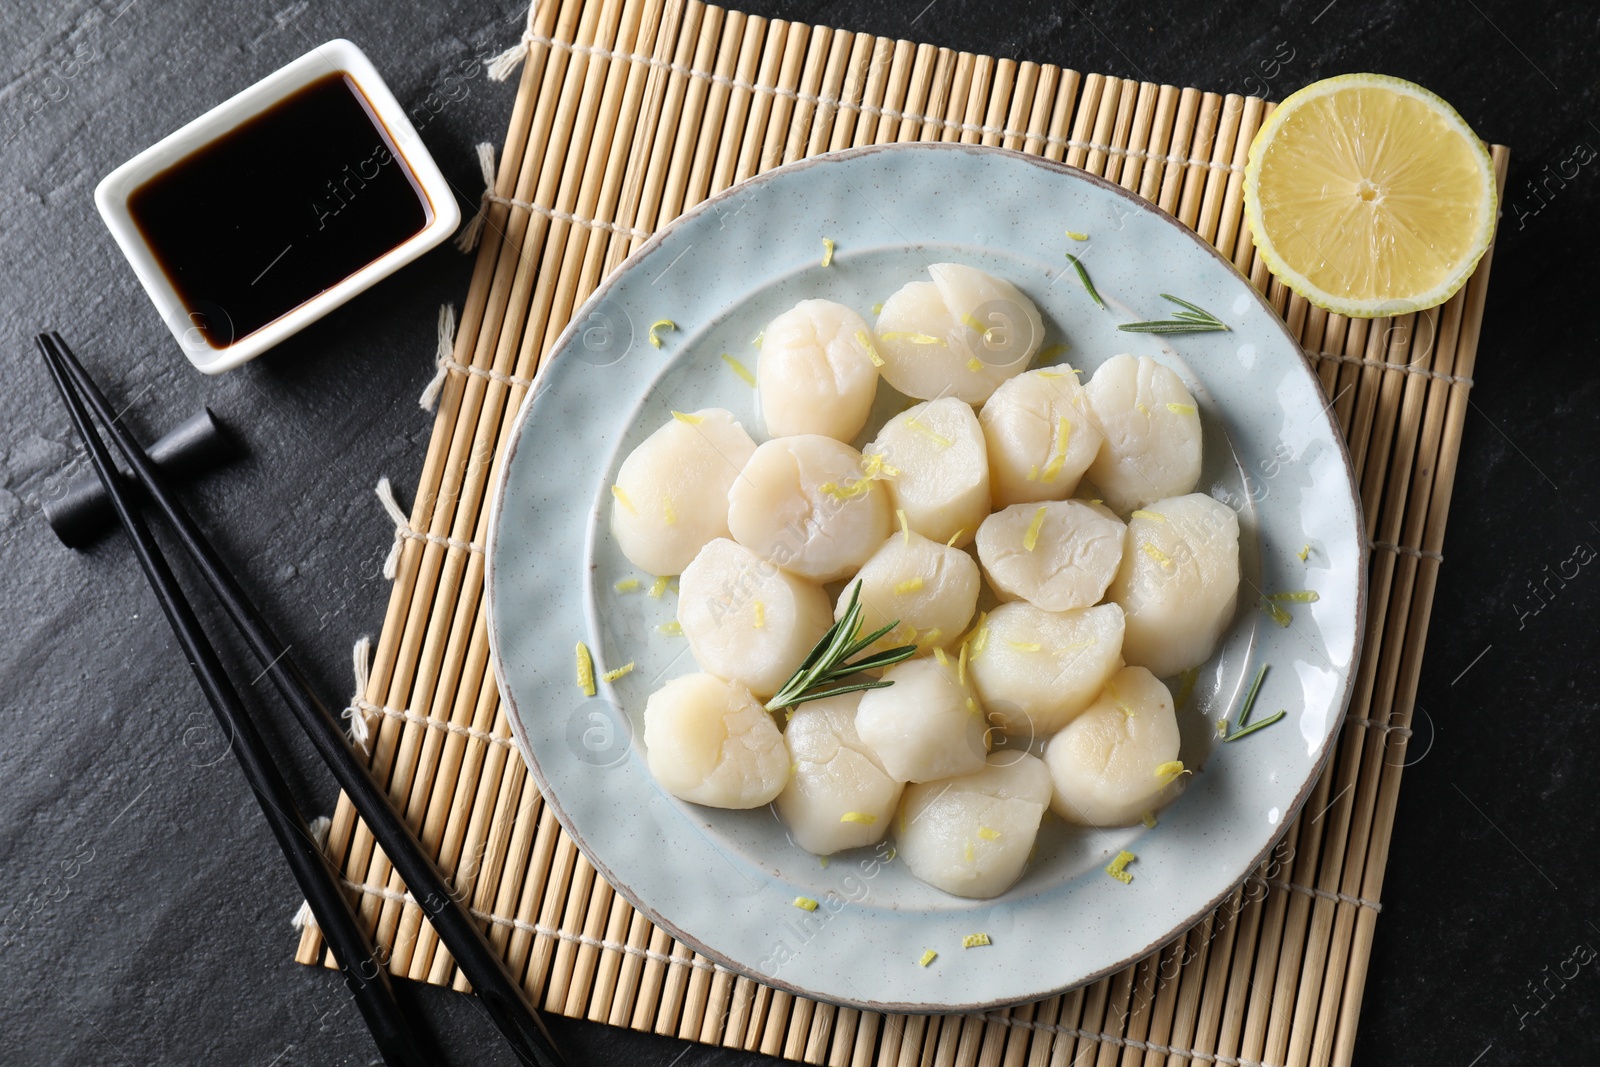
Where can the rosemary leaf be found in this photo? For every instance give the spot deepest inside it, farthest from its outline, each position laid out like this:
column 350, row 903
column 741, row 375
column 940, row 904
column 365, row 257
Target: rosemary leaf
column 1192, row 319
column 1083, row 276
column 827, row 668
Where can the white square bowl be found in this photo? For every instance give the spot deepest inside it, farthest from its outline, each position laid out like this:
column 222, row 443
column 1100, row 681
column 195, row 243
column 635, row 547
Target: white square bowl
column 111, row 197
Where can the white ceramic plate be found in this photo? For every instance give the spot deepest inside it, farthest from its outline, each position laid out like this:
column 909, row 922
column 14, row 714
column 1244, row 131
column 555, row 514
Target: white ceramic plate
column 723, row 881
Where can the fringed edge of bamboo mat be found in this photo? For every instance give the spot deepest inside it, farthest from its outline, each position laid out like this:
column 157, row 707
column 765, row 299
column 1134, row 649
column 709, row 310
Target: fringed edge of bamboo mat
column 628, row 112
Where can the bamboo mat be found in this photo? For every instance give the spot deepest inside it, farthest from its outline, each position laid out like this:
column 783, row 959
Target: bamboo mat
column 628, row 112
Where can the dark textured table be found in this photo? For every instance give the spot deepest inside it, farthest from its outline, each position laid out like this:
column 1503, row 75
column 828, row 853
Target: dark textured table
column 144, row 911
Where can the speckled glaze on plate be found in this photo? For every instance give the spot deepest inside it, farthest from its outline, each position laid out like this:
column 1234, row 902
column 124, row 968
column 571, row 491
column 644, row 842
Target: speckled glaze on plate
column 723, row 881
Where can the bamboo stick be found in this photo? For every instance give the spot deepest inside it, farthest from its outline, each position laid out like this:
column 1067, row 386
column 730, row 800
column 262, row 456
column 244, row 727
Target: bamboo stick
column 897, row 85
column 857, row 71
column 1019, row 118
column 737, row 106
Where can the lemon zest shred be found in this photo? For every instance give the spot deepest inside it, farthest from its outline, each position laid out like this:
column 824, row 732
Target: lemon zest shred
column 975, row 941
column 760, row 337
column 927, row 957
column 805, row 903
column 691, row 419
column 1171, row 770
column 660, row 324
column 1117, row 868
column 930, row 636
column 622, row 498
column 874, row 466
column 980, row 635
column 1222, row 728
column 862, row 817
column 939, row 654
column 911, row 337
column 877, row 309
column 955, row 537
column 849, row 491
column 761, row 615
column 1030, row 538
column 1142, row 409
column 911, row 634
column 961, row 665
column 1076, row 236
column 968, row 853
column 972, row 706
column 975, row 364
column 626, row 585
column 1304, row 553
column 910, row 585
column 671, row 629
column 1143, row 514
column 1156, row 554
column 667, row 512
column 1297, row 596
column 865, row 340
column 611, row 676
column 1149, row 819
column 1025, row 646
column 933, row 435
column 1051, row 352
column 827, row 251
column 823, row 860
column 1059, row 452
column 905, row 527
column 740, row 369
column 659, row 586
column 1181, row 409
column 1033, row 473
column 585, row 669
column 1279, row 616
column 988, row 834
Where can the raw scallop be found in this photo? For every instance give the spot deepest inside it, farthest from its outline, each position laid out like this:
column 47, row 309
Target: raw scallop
column 803, row 503
column 960, row 335
column 1113, row 763
column 1035, row 670
column 815, row 372
column 971, row 836
column 930, row 588
column 711, row 742
column 671, row 493
column 839, row 796
column 1179, row 582
column 937, row 467
column 925, row 725
column 746, row 619
column 1152, row 433
column 1058, row 555
column 1041, row 436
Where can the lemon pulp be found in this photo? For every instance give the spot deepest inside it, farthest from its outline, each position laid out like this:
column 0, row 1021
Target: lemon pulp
column 1369, row 195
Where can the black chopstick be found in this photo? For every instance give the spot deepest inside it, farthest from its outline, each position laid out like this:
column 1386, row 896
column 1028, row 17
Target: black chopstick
column 367, row 980
column 482, row 966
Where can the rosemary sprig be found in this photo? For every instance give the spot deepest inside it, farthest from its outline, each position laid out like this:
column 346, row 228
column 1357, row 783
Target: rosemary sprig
column 1083, row 276
column 827, row 668
column 1246, row 727
column 1192, row 319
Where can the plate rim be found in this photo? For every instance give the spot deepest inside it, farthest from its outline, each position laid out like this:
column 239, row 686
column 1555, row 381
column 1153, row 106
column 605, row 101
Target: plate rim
column 514, row 717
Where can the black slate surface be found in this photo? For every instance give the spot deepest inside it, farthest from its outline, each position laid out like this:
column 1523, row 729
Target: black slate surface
column 144, row 914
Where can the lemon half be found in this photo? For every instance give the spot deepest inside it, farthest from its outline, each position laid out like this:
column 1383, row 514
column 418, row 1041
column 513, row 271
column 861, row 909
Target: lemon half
column 1369, row 195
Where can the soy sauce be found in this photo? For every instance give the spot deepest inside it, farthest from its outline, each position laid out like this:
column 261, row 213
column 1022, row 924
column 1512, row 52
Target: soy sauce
column 290, row 203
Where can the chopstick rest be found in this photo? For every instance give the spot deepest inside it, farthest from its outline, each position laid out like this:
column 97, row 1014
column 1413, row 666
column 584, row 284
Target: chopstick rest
column 82, row 513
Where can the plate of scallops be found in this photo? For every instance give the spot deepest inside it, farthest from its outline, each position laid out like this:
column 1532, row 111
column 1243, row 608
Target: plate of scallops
column 925, row 578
